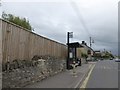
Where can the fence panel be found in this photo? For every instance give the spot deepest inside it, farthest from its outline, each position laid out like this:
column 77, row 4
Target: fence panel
column 18, row 43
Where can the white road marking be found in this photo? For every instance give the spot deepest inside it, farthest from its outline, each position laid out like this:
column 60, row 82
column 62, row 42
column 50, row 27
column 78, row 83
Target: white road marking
column 81, row 79
column 87, row 78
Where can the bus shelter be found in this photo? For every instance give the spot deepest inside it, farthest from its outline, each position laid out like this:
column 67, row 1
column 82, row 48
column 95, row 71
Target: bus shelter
column 72, row 53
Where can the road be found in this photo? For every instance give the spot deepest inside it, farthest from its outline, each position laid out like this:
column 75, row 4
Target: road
column 104, row 75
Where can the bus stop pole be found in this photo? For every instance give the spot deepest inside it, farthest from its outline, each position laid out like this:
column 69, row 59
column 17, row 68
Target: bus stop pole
column 68, row 51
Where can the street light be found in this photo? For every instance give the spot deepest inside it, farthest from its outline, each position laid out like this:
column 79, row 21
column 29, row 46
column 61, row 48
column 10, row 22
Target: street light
column 69, row 35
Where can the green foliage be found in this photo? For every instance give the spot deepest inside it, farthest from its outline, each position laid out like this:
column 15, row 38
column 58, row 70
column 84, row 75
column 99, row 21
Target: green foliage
column 84, row 55
column 108, row 55
column 119, row 57
column 97, row 55
column 17, row 20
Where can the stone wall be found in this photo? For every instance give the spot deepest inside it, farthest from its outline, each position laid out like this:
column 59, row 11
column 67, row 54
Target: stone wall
column 20, row 73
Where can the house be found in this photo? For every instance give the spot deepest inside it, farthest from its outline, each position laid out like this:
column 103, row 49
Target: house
column 98, row 54
column 88, row 50
column 85, row 50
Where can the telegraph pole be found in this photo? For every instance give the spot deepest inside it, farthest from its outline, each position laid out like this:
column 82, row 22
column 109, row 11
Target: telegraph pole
column 90, row 42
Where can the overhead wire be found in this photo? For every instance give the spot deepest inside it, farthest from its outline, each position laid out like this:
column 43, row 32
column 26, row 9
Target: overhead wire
column 81, row 19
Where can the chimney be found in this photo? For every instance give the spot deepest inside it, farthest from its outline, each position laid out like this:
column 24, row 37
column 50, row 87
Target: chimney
column 83, row 42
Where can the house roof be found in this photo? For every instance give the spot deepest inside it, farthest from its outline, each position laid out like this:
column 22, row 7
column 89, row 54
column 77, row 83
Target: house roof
column 97, row 51
column 87, row 47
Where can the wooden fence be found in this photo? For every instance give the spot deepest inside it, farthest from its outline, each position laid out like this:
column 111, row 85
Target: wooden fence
column 19, row 43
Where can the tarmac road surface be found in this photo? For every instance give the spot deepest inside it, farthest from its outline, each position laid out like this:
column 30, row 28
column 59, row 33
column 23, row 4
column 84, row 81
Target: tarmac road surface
column 104, row 75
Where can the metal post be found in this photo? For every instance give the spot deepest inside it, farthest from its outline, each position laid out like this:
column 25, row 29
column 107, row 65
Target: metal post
column 68, row 50
column 90, row 42
column 69, row 35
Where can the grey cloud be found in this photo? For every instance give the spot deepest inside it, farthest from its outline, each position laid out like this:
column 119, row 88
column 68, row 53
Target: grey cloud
column 55, row 19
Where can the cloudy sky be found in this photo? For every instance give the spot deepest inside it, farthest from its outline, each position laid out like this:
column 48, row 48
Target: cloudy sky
column 85, row 18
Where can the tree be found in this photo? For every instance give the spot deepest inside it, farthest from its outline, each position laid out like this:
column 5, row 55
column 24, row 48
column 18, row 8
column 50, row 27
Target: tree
column 84, row 55
column 107, row 55
column 17, row 20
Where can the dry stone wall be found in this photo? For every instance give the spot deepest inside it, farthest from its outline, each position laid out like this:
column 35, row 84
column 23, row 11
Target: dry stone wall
column 20, row 74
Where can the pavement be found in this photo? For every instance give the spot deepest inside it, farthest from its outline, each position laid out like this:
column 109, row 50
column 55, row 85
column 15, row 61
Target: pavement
column 66, row 79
